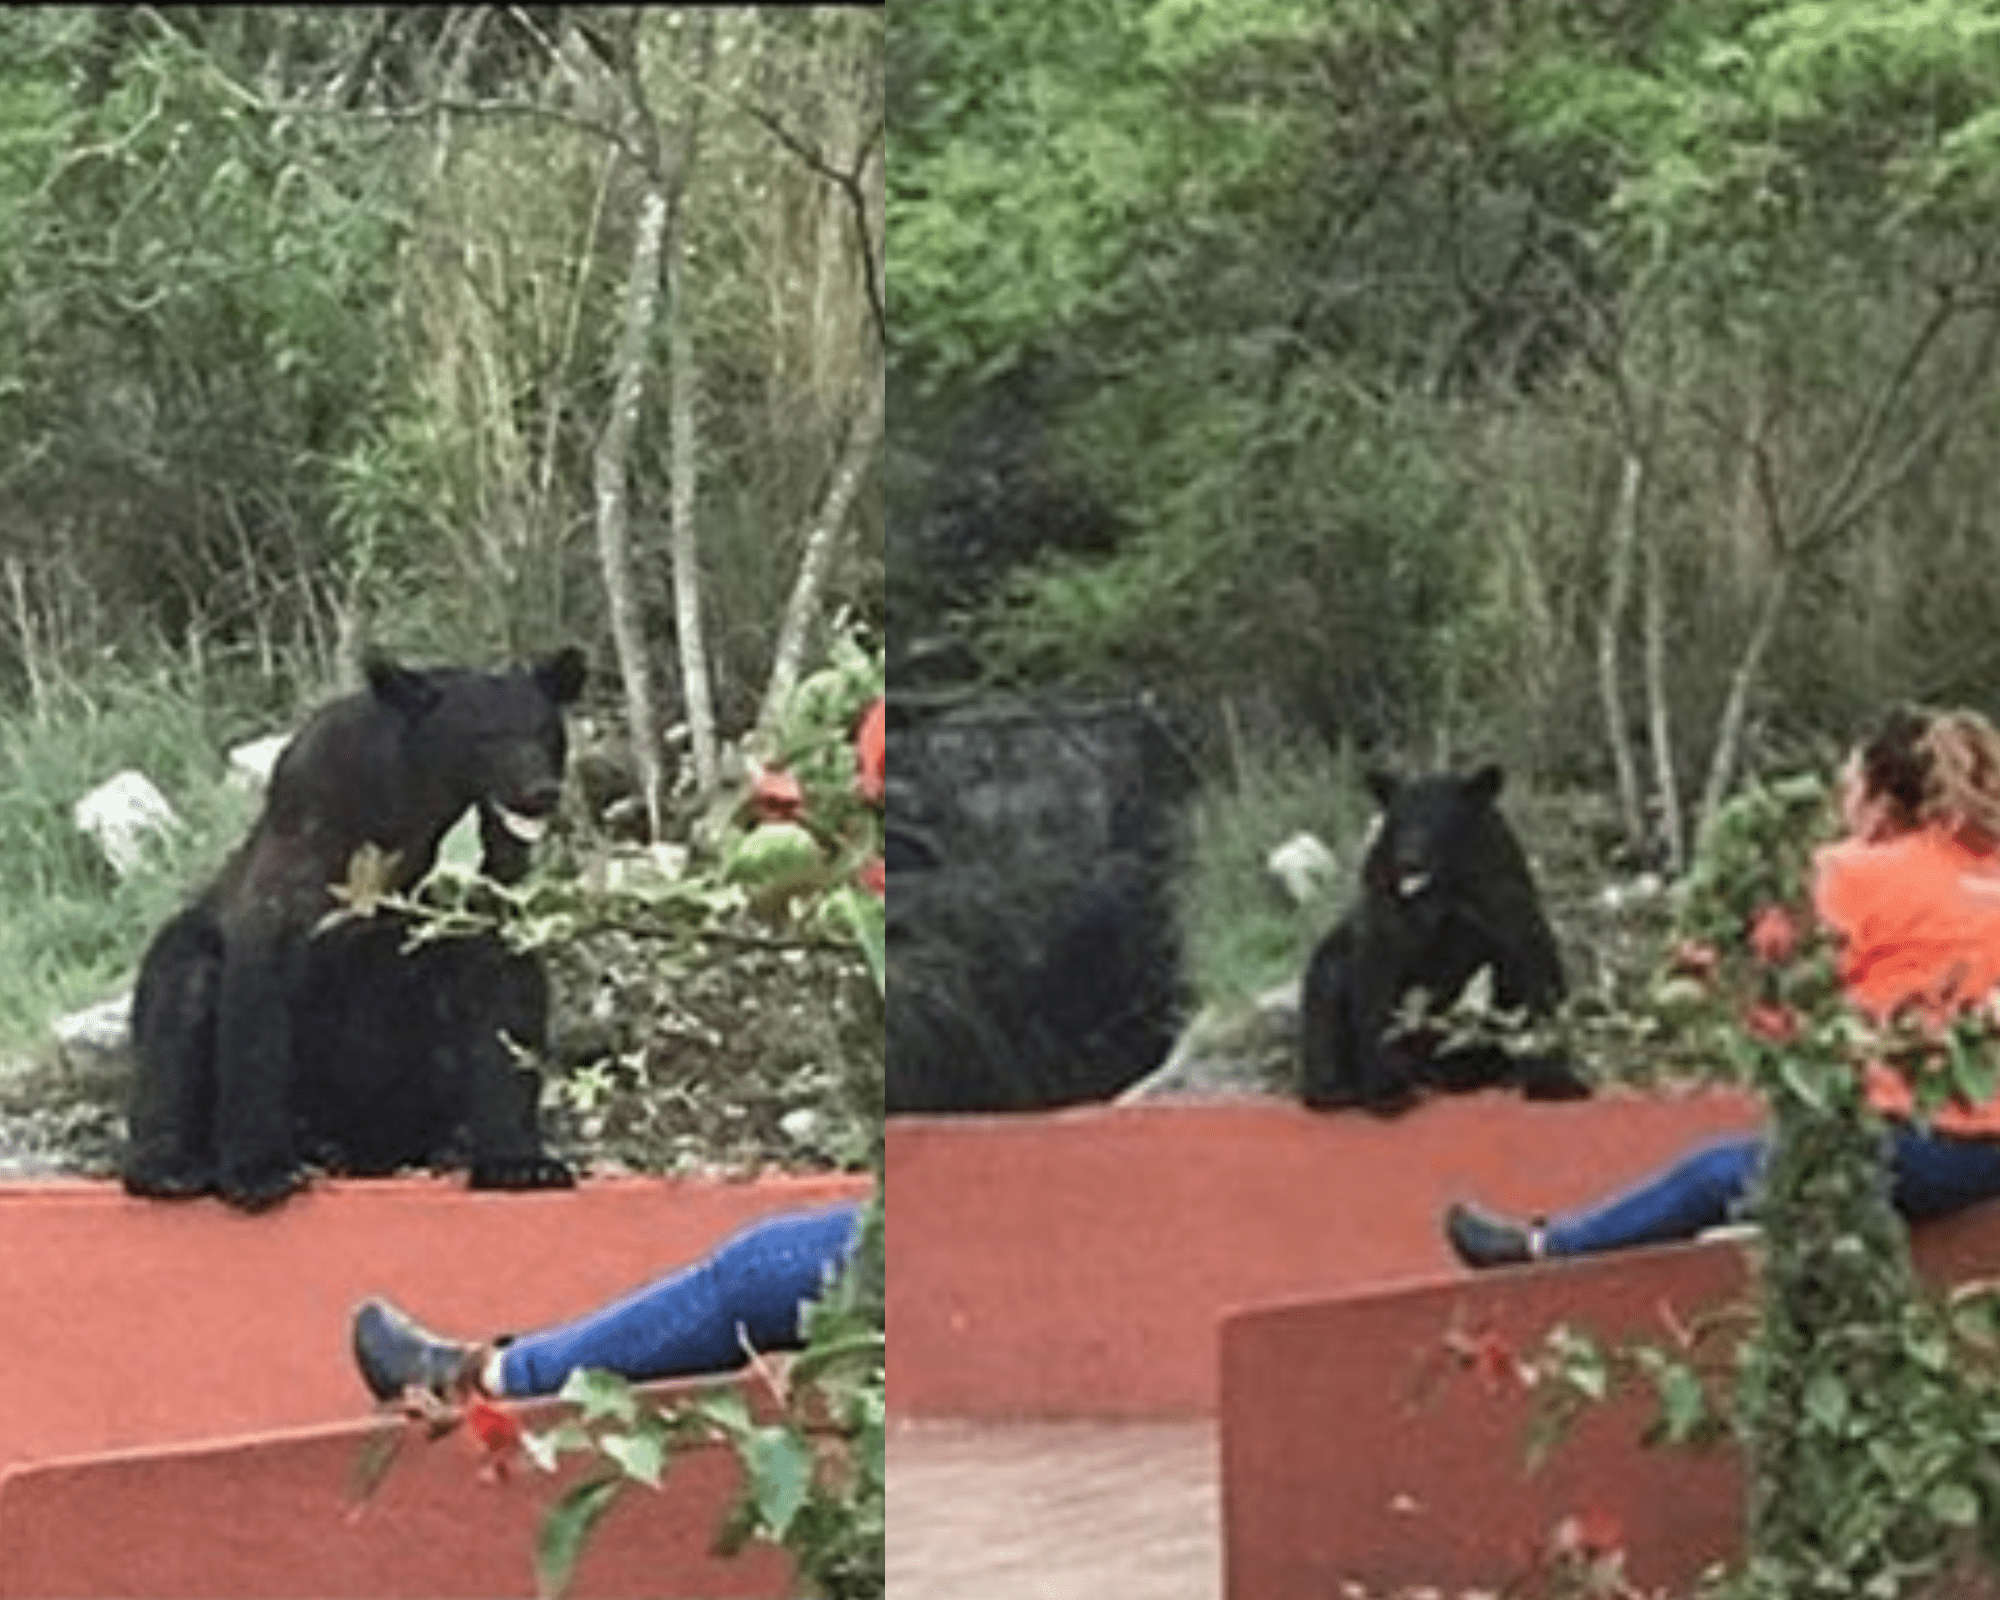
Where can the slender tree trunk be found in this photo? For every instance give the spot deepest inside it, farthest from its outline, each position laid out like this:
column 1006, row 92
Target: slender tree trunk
column 822, row 542
column 1624, row 541
column 1736, row 703
column 666, row 183
column 614, row 548
column 1659, row 723
column 683, row 445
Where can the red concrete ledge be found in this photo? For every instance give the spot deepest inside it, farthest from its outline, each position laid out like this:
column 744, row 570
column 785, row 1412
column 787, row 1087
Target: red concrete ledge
column 167, row 1360
column 1354, row 1451
column 275, row 1517
column 1076, row 1263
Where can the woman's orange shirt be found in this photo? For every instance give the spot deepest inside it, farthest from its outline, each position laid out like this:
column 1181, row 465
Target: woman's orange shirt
column 1918, row 917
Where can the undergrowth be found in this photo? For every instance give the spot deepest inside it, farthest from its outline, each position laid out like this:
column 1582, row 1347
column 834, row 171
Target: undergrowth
column 72, row 930
column 1240, row 932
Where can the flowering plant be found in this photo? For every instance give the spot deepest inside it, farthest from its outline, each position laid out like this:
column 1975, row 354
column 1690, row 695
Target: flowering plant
column 1867, row 1408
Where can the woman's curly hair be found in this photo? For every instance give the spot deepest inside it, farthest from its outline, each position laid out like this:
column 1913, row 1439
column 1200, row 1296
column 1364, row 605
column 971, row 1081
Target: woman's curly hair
column 1938, row 766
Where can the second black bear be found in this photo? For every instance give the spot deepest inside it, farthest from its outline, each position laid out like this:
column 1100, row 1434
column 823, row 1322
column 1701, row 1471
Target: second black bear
column 260, row 1036
column 1445, row 891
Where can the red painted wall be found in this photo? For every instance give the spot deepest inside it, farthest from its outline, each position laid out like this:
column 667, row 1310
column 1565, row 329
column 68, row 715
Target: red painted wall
column 133, row 1323
column 161, row 1359
column 1354, row 1450
column 1076, row 1263
column 274, row 1518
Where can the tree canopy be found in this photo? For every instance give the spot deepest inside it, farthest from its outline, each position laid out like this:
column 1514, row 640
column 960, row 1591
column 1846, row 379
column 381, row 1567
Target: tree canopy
column 313, row 325
column 1432, row 373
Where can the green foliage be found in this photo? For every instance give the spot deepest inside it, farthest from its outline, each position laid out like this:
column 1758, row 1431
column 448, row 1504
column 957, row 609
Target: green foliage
column 814, row 1458
column 1305, row 554
column 292, row 360
column 699, row 1031
column 1868, row 1407
column 1332, row 322
column 815, row 1476
column 815, row 744
column 769, row 953
column 70, row 930
column 1240, row 933
column 182, row 341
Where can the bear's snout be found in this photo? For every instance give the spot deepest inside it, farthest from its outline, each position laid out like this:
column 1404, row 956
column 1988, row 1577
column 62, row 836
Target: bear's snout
column 526, row 815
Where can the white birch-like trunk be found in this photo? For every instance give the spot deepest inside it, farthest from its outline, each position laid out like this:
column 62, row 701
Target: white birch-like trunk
column 683, row 543
column 1610, row 689
column 822, row 542
column 614, row 542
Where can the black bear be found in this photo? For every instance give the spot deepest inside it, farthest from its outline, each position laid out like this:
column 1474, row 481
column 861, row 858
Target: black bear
column 1445, row 891
column 263, row 1032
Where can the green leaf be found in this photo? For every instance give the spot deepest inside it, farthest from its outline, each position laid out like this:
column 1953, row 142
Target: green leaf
column 376, row 1456
column 600, row 1394
column 1683, row 1402
column 727, row 1410
column 567, row 1528
column 1975, row 1073
column 1826, row 1401
column 776, row 856
column 780, row 1463
column 1477, row 995
column 460, row 849
column 547, row 1447
column 865, row 1346
column 865, row 919
column 1954, row 1505
column 641, row 1456
column 1796, row 1073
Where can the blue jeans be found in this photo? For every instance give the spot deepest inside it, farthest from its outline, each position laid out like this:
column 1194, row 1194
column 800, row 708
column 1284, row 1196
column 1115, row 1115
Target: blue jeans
column 1931, row 1174
column 752, row 1288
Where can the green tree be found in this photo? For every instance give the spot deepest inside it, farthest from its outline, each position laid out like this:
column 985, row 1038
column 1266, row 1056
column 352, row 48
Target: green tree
column 1466, row 351
column 312, row 323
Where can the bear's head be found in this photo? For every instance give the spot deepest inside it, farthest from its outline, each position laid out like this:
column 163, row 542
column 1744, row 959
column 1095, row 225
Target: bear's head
column 491, row 740
column 1437, row 838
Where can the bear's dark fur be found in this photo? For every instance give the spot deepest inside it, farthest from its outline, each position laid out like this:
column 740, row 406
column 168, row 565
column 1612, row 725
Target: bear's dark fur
column 261, row 1035
column 1445, row 891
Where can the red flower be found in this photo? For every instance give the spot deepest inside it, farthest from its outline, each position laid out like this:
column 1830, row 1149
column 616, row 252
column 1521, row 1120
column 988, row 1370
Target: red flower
column 1490, row 1358
column 869, row 754
column 1774, row 936
column 777, row 796
column 1697, row 958
column 497, row 1432
column 1771, row 1021
column 874, row 877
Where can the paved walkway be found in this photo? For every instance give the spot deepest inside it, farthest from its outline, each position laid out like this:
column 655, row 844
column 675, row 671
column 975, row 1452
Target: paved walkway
column 1054, row 1511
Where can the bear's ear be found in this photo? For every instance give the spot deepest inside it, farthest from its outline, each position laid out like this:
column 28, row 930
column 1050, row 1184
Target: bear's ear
column 1485, row 783
column 1382, row 785
column 562, row 675
column 412, row 693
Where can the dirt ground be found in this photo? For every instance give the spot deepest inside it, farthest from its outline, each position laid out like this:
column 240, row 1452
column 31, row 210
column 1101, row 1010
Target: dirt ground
column 742, row 1055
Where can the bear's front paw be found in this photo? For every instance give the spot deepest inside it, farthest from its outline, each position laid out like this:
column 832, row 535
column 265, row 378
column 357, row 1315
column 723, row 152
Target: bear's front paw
column 261, row 1188
column 1546, row 1079
column 521, row 1172
column 1392, row 1102
column 169, row 1180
